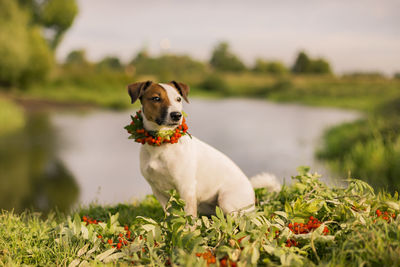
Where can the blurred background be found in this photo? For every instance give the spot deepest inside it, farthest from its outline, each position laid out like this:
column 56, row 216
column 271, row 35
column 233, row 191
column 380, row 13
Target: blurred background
column 274, row 85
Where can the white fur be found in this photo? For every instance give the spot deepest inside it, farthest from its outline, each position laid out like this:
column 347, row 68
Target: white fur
column 203, row 176
column 266, row 180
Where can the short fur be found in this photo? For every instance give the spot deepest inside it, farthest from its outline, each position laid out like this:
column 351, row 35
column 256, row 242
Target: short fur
column 203, row 176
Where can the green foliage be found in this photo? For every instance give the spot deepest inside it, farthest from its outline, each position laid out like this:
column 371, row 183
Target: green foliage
column 320, row 66
column 223, row 59
column 364, row 75
column 111, row 63
column 14, row 53
column 304, row 64
column 77, row 57
column 357, row 236
column 41, row 59
column 270, row 67
column 56, row 16
column 367, row 149
column 214, row 82
column 25, row 57
column 11, row 117
column 128, row 213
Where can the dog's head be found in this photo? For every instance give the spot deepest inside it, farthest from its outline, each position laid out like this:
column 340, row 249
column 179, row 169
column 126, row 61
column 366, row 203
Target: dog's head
column 161, row 102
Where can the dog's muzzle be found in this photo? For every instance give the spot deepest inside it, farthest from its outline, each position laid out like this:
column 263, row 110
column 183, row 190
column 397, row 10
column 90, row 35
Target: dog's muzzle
column 176, row 116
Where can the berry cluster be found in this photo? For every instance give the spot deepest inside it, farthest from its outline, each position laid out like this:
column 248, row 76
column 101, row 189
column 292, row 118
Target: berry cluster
column 312, row 224
column 211, row 259
column 385, row 215
column 143, row 136
column 291, row 243
column 301, row 228
column 89, row 220
column 121, row 240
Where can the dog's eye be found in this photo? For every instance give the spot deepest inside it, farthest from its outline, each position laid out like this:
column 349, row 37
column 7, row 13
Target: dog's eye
column 156, row 99
column 179, row 99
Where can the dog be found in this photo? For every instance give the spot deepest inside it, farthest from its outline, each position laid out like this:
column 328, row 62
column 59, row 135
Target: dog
column 203, row 176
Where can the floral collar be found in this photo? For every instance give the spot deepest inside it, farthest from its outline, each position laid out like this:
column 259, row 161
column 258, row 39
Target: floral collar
column 154, row 138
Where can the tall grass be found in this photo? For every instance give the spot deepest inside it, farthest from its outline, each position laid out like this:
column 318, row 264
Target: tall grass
column 367, row 148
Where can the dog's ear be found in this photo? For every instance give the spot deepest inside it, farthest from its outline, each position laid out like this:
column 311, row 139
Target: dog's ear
column 182, row 88
column 136, row 90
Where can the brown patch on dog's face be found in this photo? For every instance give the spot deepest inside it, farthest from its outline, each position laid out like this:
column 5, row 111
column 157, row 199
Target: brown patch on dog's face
column 155, row 103
column 182, row 89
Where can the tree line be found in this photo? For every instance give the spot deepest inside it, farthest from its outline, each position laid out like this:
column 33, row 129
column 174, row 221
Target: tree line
column 222, row 60
column 30, row 31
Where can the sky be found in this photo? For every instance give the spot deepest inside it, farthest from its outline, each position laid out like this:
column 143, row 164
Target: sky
column 353, row 35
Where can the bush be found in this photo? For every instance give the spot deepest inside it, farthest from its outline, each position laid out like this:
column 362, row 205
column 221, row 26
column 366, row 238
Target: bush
column 215, row 83
column 223, row 59
column 367, row 149
column 304, row 64
column 272, row 67
column 110, row 63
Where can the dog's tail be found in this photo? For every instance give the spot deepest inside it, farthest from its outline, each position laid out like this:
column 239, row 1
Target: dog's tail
column 266, row 180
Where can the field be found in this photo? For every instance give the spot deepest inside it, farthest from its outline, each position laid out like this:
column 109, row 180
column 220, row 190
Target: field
column 306, row 223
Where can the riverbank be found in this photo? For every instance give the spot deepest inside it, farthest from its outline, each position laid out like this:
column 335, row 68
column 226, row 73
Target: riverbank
column 307, row 223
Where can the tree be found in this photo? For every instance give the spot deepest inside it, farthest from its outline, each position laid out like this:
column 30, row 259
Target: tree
column 302, row 63
column 320, row 66
column 112, row 63
column 77, row 57
column 224, row 60
column 24, row 55
column 271, row 67
column 56, row 16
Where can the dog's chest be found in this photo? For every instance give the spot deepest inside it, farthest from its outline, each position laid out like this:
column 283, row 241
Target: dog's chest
column 155, row 165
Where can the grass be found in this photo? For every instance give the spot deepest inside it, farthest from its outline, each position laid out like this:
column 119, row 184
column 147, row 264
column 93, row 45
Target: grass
column 350, row 226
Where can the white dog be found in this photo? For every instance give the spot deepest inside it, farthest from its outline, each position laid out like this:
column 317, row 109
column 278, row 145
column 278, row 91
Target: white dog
column 203, row 176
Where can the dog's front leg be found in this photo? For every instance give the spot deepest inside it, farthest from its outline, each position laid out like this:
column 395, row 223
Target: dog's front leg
column 191, row 205
column 188, row 194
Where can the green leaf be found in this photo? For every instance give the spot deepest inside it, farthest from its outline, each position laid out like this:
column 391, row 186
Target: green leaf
column 114, row 257
column 255, row 255
column 83, row 250
column 105, row 254
column 74, row 263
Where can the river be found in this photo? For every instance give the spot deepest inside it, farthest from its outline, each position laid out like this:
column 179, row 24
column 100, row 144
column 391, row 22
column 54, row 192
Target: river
column 69, row 157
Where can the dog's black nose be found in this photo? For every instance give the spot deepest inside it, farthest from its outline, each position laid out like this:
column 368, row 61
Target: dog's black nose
column 176, row 116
